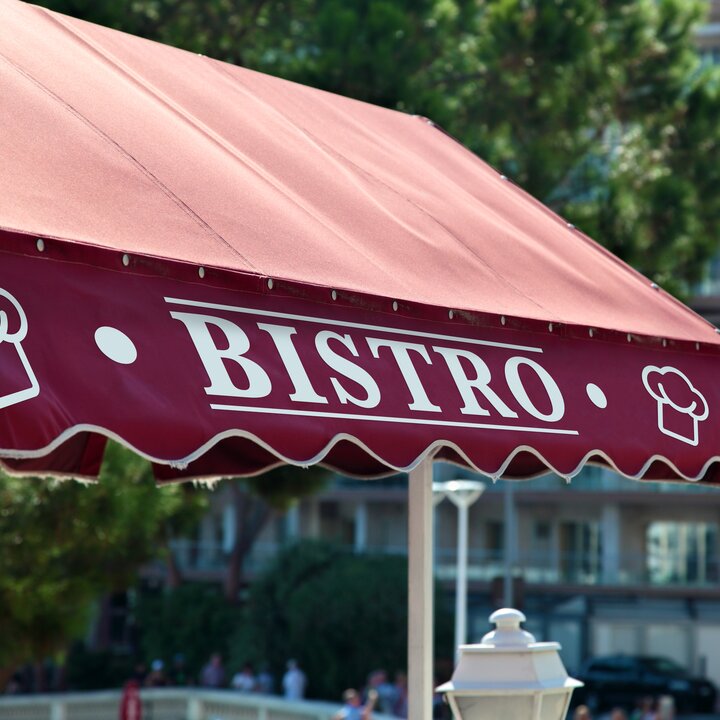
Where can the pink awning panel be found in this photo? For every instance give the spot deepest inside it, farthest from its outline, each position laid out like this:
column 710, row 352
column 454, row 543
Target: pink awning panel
column 235, row 271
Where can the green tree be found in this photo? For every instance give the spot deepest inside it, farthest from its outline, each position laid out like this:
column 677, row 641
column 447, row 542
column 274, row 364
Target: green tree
column 602, row 110
column 340, row 615
column 62, row 545
column 255, row 501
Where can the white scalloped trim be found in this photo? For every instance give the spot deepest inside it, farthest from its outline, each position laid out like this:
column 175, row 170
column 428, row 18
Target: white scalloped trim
column 430, row 451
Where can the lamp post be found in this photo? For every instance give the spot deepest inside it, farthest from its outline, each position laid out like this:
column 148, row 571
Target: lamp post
column 509, row 676
column 462, row 493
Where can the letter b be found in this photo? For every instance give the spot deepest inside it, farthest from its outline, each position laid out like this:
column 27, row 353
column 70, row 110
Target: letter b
column 212, row 357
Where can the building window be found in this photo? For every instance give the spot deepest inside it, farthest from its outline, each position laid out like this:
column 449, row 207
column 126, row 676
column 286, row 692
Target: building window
column 580, row 552
column 681, row 553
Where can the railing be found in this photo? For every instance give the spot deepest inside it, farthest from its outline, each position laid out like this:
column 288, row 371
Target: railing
column 577, row 568
column 166, row 704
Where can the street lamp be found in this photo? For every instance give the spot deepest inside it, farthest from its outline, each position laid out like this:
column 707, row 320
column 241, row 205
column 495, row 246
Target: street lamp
column 509, row 676
column 462, row 493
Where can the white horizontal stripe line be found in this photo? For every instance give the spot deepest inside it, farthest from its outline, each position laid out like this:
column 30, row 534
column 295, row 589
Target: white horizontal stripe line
column 346, row 323
column 380, row 418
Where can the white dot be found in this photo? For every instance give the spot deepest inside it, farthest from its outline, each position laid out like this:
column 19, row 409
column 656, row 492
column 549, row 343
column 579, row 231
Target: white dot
column 596, row 395
column 116, row 345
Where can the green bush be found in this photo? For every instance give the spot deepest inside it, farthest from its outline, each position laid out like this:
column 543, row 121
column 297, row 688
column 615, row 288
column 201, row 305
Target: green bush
column 95, row 670
column 340, row 615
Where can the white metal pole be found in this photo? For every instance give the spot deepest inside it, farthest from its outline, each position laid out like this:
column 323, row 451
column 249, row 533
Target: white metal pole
column 420, row 592
column 461, row 580
column 509, row 523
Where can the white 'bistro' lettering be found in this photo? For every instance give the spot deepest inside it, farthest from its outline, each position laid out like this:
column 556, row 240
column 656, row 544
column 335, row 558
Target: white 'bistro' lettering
column 472, row 379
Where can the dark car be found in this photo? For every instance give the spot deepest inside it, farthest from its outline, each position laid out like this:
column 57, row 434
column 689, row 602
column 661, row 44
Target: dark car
column 621, row 680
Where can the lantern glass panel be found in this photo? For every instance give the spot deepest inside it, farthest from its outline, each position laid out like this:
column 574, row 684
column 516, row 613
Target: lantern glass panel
column 553, row 706
column 493, row 707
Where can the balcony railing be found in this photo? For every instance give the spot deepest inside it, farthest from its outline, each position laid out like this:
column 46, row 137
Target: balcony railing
column 568, row 568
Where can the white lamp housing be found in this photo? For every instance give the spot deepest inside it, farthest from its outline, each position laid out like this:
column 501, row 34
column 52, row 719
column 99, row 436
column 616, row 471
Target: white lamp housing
column 509, row 676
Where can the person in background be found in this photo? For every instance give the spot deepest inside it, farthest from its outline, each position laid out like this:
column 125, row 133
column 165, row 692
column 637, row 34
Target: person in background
column 666, row 708
column 401, row 694
column 139, row 673
column 618, row 714
column 353, row 709
column 178, row 673
column 645, row 710
column 387, row 696
column 264, row 683
column 213, row 674
column 582, row 712
column 244, row 681
column 294, row 681
column 156, row 677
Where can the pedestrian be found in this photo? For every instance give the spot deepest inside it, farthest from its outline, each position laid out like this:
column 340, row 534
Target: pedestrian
column 213, row 674
column 401, row 695
column 130, row 703
column 618, row 714
column 264, row 682
column 178, row 673
column 387, row 696
column 156, row 677
column 244, row 681
column 294, row 681
column 645, row 709
column 582, row 712
column 666, row 708
column 353, row 709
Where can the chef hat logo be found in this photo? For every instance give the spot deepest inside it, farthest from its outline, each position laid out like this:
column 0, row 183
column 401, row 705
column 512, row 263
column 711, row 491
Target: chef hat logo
column 13, row 329
column 681, row 407
column 13, row 322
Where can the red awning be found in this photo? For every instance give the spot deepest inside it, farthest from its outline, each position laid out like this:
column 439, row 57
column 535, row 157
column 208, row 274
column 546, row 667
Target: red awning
column 225, row 271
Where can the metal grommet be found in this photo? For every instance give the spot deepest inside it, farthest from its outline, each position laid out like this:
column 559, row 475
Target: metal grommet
column 270, row 283
column 125, row 259
column 664, row 342
column 697, row 346
column 333, row 295
column 503, row 177
column 40, row 244
column 590, row 331
column 654, row 286
column 451, row 314
column 201, row 272
column 395, row 306
column 629, row 337
column 502, row 320
column 571, row 226
column 550, row 327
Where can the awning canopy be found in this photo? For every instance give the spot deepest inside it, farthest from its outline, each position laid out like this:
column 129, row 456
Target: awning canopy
column 226, row 271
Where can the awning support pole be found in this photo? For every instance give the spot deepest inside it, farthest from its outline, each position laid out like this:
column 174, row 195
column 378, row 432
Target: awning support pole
column 420, row 592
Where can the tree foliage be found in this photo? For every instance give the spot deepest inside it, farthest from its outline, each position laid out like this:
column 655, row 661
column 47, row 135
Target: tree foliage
column 255, row 501
column 340, row 615
column 62, row 545
column 602, row 110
